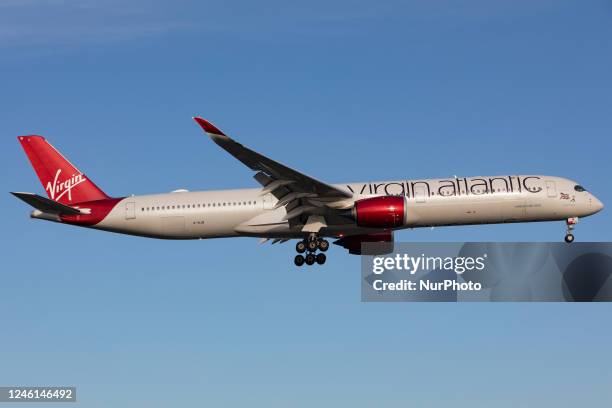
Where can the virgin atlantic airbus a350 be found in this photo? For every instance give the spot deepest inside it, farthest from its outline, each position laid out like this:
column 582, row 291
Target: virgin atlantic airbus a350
column 292, row 205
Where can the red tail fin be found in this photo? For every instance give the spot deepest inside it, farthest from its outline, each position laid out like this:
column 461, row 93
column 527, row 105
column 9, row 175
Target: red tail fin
column 62, row 181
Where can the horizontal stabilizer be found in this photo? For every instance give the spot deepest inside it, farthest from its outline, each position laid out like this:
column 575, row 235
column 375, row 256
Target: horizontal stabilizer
column 45, row 205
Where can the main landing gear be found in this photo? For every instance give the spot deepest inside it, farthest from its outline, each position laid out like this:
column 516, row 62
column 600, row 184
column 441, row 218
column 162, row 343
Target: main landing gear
column 571, row 223
column 311, row 245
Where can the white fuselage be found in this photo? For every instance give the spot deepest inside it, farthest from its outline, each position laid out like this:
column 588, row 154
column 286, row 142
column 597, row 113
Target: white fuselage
column 432, row 202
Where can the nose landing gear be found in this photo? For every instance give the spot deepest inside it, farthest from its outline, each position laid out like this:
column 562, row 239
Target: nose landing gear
column 311, row 244
column 571, row 223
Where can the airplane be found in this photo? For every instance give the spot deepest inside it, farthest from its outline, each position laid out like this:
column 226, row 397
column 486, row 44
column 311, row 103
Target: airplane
column 292, row 205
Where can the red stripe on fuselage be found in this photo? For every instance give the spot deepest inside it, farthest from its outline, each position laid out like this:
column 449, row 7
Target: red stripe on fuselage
column 99, row 209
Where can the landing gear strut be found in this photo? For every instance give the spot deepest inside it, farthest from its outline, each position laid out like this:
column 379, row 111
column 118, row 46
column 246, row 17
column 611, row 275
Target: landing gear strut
column 311, row 244
column 571, row 223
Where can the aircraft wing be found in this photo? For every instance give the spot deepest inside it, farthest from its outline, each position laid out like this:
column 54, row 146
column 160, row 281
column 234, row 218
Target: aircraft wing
column 278, row 172
column 299, row 193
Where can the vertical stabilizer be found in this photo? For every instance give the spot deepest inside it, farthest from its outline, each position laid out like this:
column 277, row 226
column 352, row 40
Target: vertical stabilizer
column 62, row 181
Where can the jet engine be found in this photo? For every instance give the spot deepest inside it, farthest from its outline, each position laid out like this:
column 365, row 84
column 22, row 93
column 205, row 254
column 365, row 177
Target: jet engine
column 381, row 212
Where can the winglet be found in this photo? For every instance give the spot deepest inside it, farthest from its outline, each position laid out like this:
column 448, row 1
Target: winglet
column 207, row 126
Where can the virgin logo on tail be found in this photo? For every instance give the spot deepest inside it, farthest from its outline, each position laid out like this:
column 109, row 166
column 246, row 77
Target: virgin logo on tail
column 65, row 186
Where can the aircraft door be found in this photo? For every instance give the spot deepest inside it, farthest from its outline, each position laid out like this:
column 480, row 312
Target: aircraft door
column 551, row 189
column 130, row 210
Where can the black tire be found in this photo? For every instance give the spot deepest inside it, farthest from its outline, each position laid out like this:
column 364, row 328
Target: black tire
column 298, row 260
column 312, row 245
column 321, row 258
column 323, row 245
column 310, row 259
column 300, row 247
column 569, row 238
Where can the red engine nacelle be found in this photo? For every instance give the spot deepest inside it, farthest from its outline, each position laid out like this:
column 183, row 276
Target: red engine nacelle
column 381, row 212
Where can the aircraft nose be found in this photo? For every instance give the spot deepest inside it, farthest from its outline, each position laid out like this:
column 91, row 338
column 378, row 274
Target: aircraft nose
column 596, row 205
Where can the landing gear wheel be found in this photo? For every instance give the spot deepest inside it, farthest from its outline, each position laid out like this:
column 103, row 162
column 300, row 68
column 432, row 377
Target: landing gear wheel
column 310, row 259
column 571, row 224
column 323, row 245
column 298, row 260
column 321, row 258
column 300, row 247
column 312, row 245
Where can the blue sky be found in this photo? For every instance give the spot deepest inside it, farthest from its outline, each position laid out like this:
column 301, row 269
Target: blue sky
column 345, row 91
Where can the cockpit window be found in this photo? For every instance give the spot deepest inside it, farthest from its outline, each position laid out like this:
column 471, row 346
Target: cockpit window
column 578, row 187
